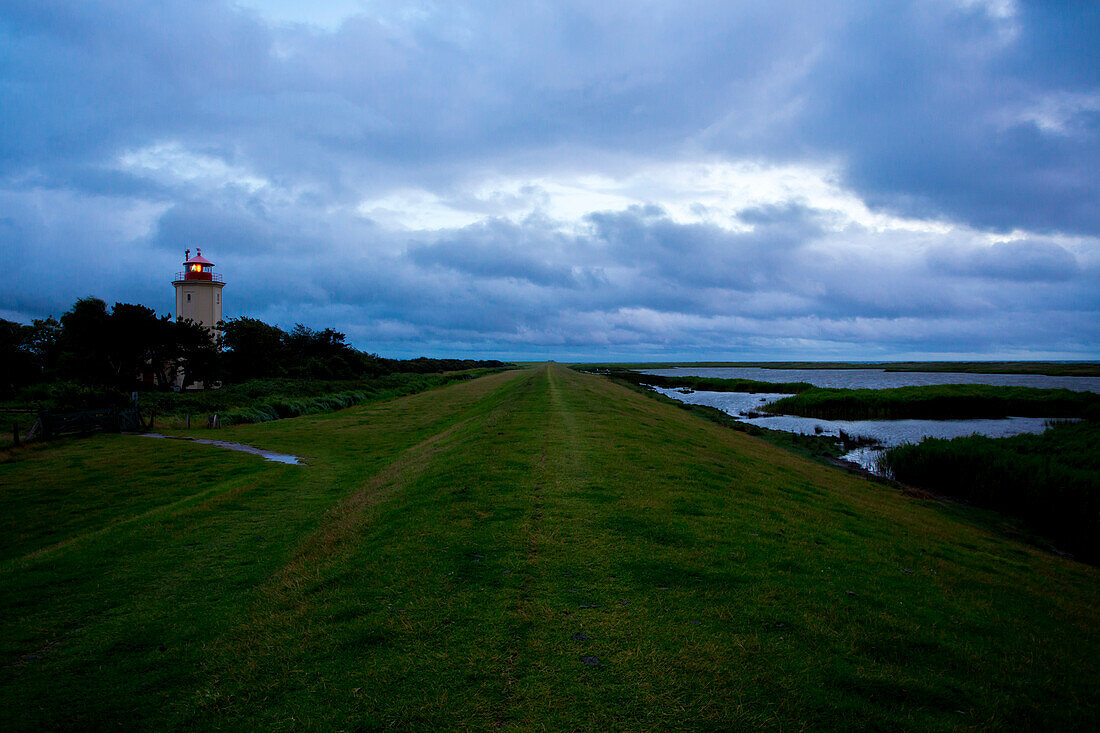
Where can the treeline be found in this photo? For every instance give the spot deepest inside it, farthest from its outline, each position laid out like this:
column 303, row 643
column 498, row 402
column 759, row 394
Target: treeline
column 938, row 402
column 96, row 349
column 278, row 405
column 123, row 348
column 1050, row 480
column 252, row 349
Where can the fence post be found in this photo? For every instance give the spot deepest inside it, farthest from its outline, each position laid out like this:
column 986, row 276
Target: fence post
column 15, row 433
column 152, row 418
column 189, row 421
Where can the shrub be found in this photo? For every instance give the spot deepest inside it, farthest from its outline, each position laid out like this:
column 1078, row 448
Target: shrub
column 1052, row 480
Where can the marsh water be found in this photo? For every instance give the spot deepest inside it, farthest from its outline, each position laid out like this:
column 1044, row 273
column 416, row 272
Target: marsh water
column 880, row 379
column 888, row 433
column 267, row 455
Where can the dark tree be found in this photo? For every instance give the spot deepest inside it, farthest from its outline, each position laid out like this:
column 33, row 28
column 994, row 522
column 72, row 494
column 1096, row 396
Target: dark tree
column 85, row 343
column 321, row 354
column 253, row 349
column 198, row 354
column 17, row 363
column 139, row 343
column 109, row 353
column 44, row 342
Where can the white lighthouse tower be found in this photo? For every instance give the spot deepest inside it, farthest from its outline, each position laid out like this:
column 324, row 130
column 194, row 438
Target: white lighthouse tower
column 199, row 291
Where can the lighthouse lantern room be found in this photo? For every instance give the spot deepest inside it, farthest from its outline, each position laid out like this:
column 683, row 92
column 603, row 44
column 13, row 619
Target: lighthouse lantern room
column 199, row 291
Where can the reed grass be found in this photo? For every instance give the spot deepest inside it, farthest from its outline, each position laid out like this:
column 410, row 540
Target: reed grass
column 938, row 402
column 1050, row 480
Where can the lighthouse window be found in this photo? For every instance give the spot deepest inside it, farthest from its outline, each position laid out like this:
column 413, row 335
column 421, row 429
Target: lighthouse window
column 218, row 297
column 189, row 297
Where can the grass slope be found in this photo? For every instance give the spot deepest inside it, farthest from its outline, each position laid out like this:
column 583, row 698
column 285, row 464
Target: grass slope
column 454, row 559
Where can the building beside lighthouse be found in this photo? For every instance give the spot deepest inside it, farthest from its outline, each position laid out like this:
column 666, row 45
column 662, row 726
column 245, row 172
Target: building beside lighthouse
column 199, row 291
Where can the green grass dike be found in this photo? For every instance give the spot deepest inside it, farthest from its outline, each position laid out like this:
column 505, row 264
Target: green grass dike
column 532, row 550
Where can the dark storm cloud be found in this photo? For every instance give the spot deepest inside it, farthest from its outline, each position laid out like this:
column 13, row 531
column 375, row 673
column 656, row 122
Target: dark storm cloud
column 500, row 249
column 83, row 80
column 141, row 129
column 959, row 113
column 1023, row 261
column 233, row 229
column 932, row 104
column 702, row 255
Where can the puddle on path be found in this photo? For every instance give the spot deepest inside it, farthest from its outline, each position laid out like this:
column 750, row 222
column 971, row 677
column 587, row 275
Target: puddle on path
column 267, row 455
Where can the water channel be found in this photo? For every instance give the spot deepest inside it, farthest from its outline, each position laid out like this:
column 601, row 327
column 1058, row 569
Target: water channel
column 888, row 433
column 871, row 378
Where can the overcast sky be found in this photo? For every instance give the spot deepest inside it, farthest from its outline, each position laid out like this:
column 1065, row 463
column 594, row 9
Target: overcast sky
column 605, row 180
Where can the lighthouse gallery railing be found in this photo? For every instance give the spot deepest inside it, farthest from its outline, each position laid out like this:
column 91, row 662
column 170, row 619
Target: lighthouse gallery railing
column 198, row 277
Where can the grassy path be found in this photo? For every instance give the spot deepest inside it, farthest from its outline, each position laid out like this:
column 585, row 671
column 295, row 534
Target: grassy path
column 537, row 549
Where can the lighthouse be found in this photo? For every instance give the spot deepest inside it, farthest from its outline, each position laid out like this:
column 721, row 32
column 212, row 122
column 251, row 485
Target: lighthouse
column 199, row 291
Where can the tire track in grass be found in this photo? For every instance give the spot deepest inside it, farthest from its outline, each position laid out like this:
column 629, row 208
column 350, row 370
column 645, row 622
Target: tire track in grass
column 557, row 465
column 521, row 608
column 252, row 647
column 457, row 393
column 285, row 600
column 343, row 521
column 228, row 491
column 334, row 526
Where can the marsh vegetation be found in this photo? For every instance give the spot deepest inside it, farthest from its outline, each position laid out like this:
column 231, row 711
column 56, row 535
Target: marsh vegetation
column 1051, row 481
column 940, row 402
column 956, row 441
